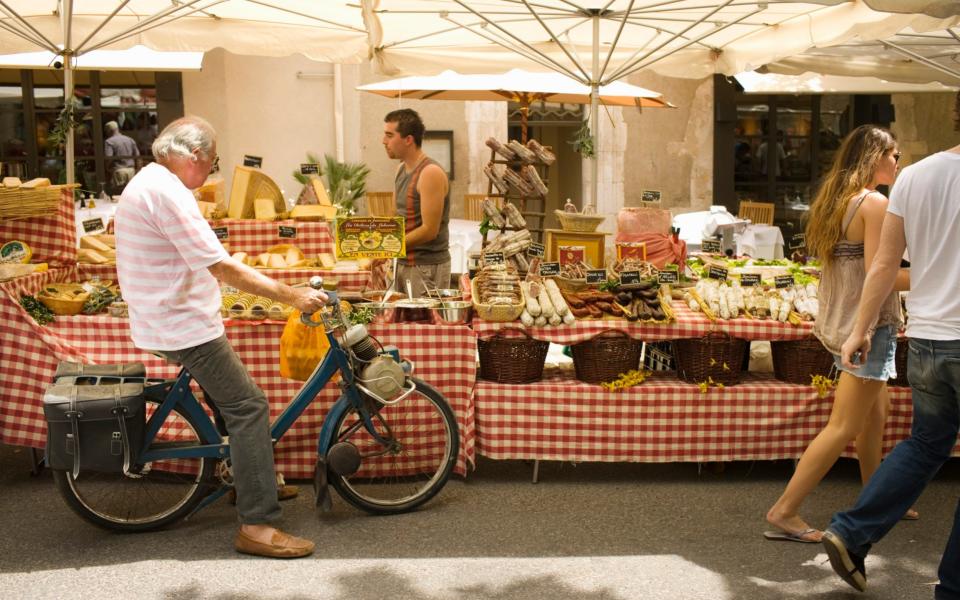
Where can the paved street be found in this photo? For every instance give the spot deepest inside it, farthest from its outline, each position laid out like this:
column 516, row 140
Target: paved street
column 585, row 532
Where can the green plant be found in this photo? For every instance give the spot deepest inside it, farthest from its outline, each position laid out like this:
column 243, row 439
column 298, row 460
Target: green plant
column 582, row 141
column 346, row 182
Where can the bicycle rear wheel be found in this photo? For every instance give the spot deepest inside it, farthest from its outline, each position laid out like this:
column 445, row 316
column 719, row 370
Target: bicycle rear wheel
column 161, row 493
column 423, row 444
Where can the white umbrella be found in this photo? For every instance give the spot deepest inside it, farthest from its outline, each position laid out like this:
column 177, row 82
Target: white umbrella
column 600, row 42
column 518, row 86
column 327, row 31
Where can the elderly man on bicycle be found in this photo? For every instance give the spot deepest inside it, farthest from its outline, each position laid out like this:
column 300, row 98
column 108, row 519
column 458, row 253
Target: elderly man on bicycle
column 168, row 264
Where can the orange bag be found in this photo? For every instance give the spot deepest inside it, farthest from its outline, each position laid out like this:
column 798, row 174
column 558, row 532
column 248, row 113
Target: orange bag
column 301, row 347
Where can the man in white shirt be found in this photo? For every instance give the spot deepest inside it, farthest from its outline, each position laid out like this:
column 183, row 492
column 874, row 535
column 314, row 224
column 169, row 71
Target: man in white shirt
column 924, row 217
column 168, row 264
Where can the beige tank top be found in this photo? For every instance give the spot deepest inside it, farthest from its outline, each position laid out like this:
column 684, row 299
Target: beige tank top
column 840, row 288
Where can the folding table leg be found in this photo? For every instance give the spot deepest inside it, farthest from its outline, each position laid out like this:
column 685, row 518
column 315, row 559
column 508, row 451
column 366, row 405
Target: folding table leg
column 536, row 470
column 36, row 462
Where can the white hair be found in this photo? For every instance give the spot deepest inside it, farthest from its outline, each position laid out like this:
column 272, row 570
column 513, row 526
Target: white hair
column 112, row 127
column 183, row 137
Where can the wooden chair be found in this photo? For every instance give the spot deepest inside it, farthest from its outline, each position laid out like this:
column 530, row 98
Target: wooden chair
column 758, row 212
column 380, row 204
column 472, row 209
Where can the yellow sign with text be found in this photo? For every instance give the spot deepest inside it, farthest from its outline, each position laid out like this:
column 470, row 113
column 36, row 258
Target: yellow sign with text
column 370, row 237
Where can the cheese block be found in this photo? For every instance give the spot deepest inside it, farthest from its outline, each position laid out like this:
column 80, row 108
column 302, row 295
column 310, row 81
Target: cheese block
column 249, row 184
column 91, row 256
column 326, row 260
column 107, row 238
column 320, row 192
column 313, row 212
column 275, row 261
column 240, row 257
column 39, row 182
column 264, row 209
column 11, row 182
column 206, row 208
column 292, row 256
column 88, row 241
column 263, row 259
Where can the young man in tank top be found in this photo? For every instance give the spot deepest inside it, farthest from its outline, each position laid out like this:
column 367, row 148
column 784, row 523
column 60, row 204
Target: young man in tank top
column 422, row 196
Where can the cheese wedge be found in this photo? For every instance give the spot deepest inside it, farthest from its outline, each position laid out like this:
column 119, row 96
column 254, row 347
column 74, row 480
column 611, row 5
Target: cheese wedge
column 264, row 210
column 263, row 259
column 313, row 212
column 320, row 192
column 88, row 241
column 206, row 208
column 91, row 256
column 11, row 182
column 39, row 182
column 275, row 261
column 240, row 257
column 107, row 238
column 326, row 260
column 292, row 256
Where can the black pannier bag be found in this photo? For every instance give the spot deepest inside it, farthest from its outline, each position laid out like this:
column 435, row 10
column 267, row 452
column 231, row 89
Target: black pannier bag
column 94, row 427
column 81, row 374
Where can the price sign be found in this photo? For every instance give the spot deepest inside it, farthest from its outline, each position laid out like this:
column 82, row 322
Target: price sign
column 650, row 196
column 668, row 277
column 711, row 246
column 783, row 281
column 493, row 258
column 596, row 276
column 252, row 161
column 222, row 233
column 309, row 169
column 717, row 273
column 798, row 241
column 750, row 279
column 93, row 225
column 549, row 269
column 629, row 277
column 287, row 232
column 535, row 250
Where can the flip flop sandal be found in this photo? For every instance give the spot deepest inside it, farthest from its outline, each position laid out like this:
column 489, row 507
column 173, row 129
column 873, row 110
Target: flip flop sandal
column 910, row 515
column 786, row 536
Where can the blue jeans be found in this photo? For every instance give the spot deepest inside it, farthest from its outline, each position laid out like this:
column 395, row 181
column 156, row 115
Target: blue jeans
column 933, row 369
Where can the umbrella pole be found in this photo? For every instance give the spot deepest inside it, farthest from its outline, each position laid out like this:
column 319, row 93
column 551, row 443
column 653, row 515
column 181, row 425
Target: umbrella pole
column 66, row 14
column 594, row 110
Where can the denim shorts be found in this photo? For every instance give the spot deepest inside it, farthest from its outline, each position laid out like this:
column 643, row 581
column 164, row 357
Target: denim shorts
column 881, row 360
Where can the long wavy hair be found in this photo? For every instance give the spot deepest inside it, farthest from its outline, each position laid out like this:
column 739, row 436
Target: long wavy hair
column 853, row 169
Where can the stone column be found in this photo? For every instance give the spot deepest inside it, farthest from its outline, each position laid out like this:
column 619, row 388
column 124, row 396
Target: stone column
column 610, row 146
column 484, row 119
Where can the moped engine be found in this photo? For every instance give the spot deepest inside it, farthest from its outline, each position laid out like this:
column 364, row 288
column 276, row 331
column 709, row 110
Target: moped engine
column 379, row 373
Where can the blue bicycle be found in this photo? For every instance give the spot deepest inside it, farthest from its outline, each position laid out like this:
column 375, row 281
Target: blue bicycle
column 387, row 445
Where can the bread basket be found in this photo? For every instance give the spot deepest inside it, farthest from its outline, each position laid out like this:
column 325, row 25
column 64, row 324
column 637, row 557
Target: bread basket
column 498, row 313
column 578, row 222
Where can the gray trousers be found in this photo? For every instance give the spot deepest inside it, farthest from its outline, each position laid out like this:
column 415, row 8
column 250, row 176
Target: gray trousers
column 228, row 385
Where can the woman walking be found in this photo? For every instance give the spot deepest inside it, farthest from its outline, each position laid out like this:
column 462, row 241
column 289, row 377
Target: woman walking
column 844, row 232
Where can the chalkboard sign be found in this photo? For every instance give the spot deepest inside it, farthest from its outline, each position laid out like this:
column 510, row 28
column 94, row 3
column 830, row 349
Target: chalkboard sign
column 650, row 196
column 493, row 258
column 535, row 250
column 287, row 232
column 222, row 233
column 629, row 277
column 783, row 281
column 668, row 277
column 309, row 169
column 798, row 241
column 596, row 275
column 93, row 225
column 717, row 273
column 252, row 161
column 711, row 246
column 549, row 269
column 750, row 279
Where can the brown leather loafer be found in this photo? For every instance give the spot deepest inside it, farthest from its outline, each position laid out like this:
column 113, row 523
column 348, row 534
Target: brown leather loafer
column 282, row 545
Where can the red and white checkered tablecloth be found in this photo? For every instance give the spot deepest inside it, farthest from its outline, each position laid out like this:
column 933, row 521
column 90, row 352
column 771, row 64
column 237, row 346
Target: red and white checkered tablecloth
column 349, row 280
column 661, row 420
column 253, row 237
column 688, row 324
column 444, row 356
column 53, row 238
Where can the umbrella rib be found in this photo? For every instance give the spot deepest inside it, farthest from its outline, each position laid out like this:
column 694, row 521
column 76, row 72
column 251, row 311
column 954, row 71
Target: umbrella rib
column 616, row 38
column 23, row 35
column 458, row 26
column 101, row 25
column 629, row 66
column 306, row 16
column 568, row 13
column 953, row 34
column 558, row 42
column 16, row 17
column 923, row 60
column 142, row 26
column 633, row 68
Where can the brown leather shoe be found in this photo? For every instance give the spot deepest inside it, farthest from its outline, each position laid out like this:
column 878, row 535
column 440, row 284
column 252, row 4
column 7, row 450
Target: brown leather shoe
column 282, row 545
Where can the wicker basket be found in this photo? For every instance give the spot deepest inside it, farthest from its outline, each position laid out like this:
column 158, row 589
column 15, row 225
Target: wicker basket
column 571, row 285
column 59, row 306
column 512, row 359
column 903, row 349
column 578, row 222
column 797, row 361
column 606, row 356
column 497, row 313
column 715, row 356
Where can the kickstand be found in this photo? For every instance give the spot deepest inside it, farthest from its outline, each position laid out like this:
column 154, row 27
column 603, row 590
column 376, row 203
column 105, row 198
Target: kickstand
column 536, row 470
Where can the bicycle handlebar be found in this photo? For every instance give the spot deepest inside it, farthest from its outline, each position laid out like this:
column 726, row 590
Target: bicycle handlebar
column 316, row 282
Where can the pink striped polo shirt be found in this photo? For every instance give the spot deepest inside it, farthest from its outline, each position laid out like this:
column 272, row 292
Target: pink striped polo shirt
column 164, row 247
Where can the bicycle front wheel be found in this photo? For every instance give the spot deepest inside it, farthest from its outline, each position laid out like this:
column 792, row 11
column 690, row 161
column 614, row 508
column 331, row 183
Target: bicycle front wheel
column 163, row 491
column 423, row 442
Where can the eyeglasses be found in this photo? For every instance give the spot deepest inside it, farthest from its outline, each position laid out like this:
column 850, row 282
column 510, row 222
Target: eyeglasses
column 896, row 157
column 215, row 165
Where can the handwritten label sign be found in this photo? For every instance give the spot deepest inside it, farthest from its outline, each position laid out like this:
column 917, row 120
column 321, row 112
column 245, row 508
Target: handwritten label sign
column 629, row 277
column 798, row 241
column 711, row 246
column 493, row 258
column 783, row 281
column 535, row 250
column 286, row 232
column 252, row 161
column 668, row 277
column 370, row 237
column 650, row 196
column 222, row 233
column 549, row 269
column 750, row 279
column 309, row 169
column 93, row 225
column 596, row 276
column 715, row 272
